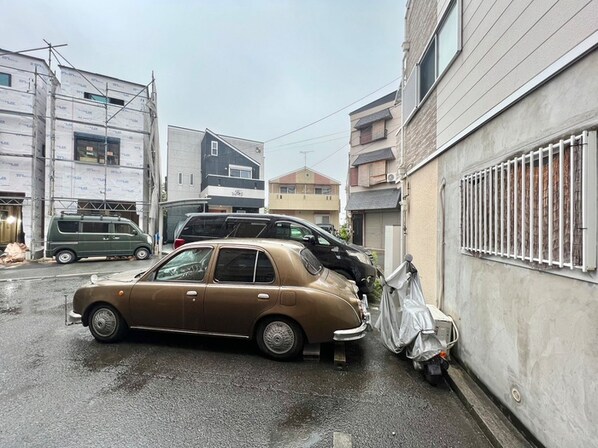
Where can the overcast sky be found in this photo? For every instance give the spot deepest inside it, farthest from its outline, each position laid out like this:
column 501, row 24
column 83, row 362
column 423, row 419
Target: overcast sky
column 251, row 69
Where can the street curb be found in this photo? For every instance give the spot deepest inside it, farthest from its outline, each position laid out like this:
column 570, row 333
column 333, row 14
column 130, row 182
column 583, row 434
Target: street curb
column 494, row 424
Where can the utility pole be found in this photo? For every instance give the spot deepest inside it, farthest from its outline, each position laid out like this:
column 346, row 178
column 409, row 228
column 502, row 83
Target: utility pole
column 305, row 157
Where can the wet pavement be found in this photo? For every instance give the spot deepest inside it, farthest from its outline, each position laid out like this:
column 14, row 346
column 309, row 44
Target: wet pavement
column 60, row 388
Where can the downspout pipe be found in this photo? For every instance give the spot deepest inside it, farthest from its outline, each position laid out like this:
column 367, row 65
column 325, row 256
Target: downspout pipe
column 440, row 280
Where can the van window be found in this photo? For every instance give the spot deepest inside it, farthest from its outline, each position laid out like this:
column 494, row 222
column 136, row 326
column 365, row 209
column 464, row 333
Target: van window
column 296, row 232
column 94, row 227
column 205, row 226
column 68, row 226
column 246, row 229
column 123, row 228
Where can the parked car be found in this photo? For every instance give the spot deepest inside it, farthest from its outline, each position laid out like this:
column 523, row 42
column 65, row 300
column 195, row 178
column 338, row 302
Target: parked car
column 275, row 292
column 71, row 237
column 349, row 260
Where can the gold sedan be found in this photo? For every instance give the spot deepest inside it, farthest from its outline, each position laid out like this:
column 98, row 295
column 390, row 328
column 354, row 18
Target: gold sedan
column 273, row 291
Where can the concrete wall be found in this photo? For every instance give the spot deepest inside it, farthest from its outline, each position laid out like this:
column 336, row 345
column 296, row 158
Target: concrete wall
column 522, row 327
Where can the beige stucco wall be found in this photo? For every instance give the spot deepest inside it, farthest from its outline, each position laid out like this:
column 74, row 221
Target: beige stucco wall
column 422, row 213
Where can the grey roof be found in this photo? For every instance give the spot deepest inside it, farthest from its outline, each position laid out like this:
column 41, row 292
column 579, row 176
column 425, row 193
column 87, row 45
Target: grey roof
column 369, row 119
column 391, row 97
column 374, row 200
column 374, row 156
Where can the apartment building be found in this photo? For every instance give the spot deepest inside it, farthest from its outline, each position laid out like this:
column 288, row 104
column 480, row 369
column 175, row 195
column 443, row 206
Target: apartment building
column 307, row 194
column 212, row 172
column 373, row 192
column 500, row 112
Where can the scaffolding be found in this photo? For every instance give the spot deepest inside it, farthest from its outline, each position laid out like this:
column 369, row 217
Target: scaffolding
column 60, row 181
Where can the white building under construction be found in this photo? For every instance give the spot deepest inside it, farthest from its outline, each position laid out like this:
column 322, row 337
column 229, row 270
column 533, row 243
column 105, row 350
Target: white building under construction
column 79, row 144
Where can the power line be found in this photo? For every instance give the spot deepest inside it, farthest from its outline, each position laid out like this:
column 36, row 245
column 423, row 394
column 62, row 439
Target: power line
column 333, row 113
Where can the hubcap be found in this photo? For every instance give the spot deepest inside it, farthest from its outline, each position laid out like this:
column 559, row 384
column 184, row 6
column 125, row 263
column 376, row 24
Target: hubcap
column 279, row 337
column 141, row 254
column 104, row 322
column 65, row 257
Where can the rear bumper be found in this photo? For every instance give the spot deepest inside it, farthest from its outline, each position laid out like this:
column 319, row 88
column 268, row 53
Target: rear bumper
column 353, row 334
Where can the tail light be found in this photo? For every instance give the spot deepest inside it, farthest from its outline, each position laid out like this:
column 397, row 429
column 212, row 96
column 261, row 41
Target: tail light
column 179, row 242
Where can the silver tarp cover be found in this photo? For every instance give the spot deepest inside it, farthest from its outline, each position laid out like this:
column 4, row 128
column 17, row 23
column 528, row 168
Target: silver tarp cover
column 405, row 321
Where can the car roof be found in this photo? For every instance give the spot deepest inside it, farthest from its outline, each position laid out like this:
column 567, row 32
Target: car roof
column 266, row 243
column 268, row 216
column 91, row 218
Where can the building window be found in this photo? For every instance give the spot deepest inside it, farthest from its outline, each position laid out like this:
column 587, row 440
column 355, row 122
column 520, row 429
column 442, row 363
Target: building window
column 191, row 179
column 365, row 135
column 180, row 178
column 323, row 190
column 445, row 44
column 5, row 79
column 103, row 99
column 243, row 172
column 538, row 207
column 370, row 174
column 214, row 149
column 288, row 189
column 90, row 148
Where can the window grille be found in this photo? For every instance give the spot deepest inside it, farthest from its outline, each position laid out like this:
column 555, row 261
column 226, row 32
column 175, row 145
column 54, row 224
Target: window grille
column 538, row 207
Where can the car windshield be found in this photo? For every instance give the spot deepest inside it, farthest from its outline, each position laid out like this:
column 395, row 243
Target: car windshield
column 311, row 263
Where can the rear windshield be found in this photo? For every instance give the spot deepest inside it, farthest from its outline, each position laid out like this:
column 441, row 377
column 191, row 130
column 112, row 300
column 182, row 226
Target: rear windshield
column 311, row 263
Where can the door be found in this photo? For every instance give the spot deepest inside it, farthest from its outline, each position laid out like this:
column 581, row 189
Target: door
column 357, row 224
column 244, row 286
column 173, row 298
column 94, row 239
column 121, row 238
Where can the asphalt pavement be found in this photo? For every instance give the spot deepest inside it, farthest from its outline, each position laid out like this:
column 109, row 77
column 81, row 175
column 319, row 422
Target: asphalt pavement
column 497, row 428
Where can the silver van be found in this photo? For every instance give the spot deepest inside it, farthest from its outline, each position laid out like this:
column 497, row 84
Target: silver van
column 71, row 237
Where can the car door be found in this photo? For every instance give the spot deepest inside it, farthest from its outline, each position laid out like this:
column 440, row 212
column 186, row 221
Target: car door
column 243, row 287
column 172, row 296
column 94, row 239
column 121, row 238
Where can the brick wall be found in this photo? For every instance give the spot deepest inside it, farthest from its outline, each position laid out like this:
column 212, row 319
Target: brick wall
column 419, row 26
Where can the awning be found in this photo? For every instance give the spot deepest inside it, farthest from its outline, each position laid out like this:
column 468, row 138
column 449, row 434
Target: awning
column 369, row 119
column 374, row 156
column 374, row 200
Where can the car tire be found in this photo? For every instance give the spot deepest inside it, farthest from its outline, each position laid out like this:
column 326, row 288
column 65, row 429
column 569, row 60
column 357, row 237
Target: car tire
column 106, row 324
column 65, row 257
column 142, row 253
column 280, row 338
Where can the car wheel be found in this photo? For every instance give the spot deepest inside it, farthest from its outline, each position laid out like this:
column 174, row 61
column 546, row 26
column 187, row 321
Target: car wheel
column 280, row 338
column 106, row 324
column 65, row 257
column 142, row 253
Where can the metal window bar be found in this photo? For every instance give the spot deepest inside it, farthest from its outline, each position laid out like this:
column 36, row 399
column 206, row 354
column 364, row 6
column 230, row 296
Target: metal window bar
column 561, row 215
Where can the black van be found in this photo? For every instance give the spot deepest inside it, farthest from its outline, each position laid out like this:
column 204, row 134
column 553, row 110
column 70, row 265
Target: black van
column 346, row 259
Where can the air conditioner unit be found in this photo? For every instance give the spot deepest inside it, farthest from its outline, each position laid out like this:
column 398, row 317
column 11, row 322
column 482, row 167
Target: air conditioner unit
column 391, row 177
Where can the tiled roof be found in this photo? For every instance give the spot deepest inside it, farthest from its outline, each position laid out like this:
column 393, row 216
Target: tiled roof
column 374, row 200
column 369, row 119
column 374, row 156
column 385, row 99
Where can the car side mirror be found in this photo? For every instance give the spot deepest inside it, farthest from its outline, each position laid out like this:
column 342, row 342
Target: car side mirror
column 309, row 239
column 335, row 249
column 134, row 232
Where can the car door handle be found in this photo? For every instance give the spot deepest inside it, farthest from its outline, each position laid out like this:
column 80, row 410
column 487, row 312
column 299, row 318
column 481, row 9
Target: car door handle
column 192, row 293
column 263, row 296
column 105, row 239
column 116, row 237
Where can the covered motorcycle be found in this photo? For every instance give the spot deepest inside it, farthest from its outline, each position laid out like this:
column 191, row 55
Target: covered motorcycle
column 406, row 323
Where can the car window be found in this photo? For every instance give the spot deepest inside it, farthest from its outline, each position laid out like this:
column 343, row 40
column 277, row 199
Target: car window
column 205, row 226
column 243, row 266
column 189, row 265
column 94, row 227
column 248, row 229
column 123, row 228
column 311, row 263
column 68, row 226
column 290, row 231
